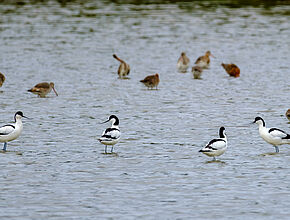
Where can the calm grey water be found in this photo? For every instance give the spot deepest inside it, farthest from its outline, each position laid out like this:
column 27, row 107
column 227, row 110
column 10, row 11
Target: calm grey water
column 57, row 170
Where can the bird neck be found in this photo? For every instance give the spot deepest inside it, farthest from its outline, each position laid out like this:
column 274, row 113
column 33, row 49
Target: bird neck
column 224, row 137
column 261, row 127
column 115, row 126
column 18, row 122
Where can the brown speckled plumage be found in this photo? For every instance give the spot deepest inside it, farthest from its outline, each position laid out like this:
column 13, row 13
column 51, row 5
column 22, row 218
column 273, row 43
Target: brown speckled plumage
column 231, row 69
column 124, row 68
column 2, row 79
column 151, row 81
column 42, row 89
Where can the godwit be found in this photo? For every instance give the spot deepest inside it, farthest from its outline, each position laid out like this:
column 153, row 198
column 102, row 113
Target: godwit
column 151, row 81
column 183, row 63
column 288, row 114
column 42, row 89
column 2, row 79
column 124, row 68
column 203, row 61
column 196, row 71
column 231, row 69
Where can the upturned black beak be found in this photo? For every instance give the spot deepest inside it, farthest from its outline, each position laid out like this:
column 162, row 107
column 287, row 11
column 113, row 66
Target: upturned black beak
column 25, row 117
column 104, row 122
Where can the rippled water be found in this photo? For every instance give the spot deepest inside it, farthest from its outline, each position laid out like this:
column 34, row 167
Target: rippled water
column 57, row 169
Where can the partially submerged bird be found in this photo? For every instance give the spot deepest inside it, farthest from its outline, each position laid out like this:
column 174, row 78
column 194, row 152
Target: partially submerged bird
column 111, row 136
column 288, row 114
column 42, row 89
column 151, row 81
column 183, row 63
column 216, row 147
column 10, row 132
column 2, row 79
column 203, row 61
column 273, row 136
column 231, row 69
column 196, row 71
column 124, row 68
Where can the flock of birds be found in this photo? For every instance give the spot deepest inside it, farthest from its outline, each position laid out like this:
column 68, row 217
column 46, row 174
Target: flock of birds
column 111, row 135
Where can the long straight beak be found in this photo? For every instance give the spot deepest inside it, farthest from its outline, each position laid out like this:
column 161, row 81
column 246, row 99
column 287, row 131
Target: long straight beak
column 54, row 91
column 212, row 56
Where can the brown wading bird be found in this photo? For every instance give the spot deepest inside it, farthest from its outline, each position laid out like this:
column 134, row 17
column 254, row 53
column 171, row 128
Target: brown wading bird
column 42, row 89
column 183, row 63
column 2, row 79
column 151, row 81
column 232, row 69
column 203, row 61
column 196, row 71
column 124, row 68
column 288, row 114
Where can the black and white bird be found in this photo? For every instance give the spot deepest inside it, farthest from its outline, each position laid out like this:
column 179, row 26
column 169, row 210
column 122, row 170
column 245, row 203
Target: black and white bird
column 273, row 136
column 111, row 136
column 10, row 132
column 216, row 147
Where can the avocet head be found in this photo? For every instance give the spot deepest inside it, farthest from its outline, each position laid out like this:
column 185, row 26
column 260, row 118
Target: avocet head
column 18, row 115
column 114, row 119
column 222, row 132
column 259, row 121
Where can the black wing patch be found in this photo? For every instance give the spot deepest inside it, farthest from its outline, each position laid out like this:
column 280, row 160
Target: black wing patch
column 109, row 136
column 111, row 129
column 215, row 140
column 276, row 129
column 5, row 126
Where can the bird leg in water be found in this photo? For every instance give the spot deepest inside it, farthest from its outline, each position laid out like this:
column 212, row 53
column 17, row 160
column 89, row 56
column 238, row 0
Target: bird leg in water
column 277, row 149
column 5, row 146
column 105, row 149
column 112, row 148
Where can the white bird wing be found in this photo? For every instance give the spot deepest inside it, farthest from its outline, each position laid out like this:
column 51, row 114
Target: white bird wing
column 6, row 129
column 275, row 132
column 111, row 133
column 216, row 144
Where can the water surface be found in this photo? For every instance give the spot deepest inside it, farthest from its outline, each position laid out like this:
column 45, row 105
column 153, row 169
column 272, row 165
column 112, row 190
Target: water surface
column 56, row 169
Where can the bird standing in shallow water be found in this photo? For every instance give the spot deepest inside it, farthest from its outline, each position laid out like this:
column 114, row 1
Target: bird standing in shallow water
column 288, row 114
column 151, row 81
column 216, row 147
column 111, row 136
column 196, row 71
column 231, row 69
column 2, row 79
column 124, row 68
column 183, row 63
column 42, row 89
column 10, row 132
column 273, row 136
column 203, row 61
